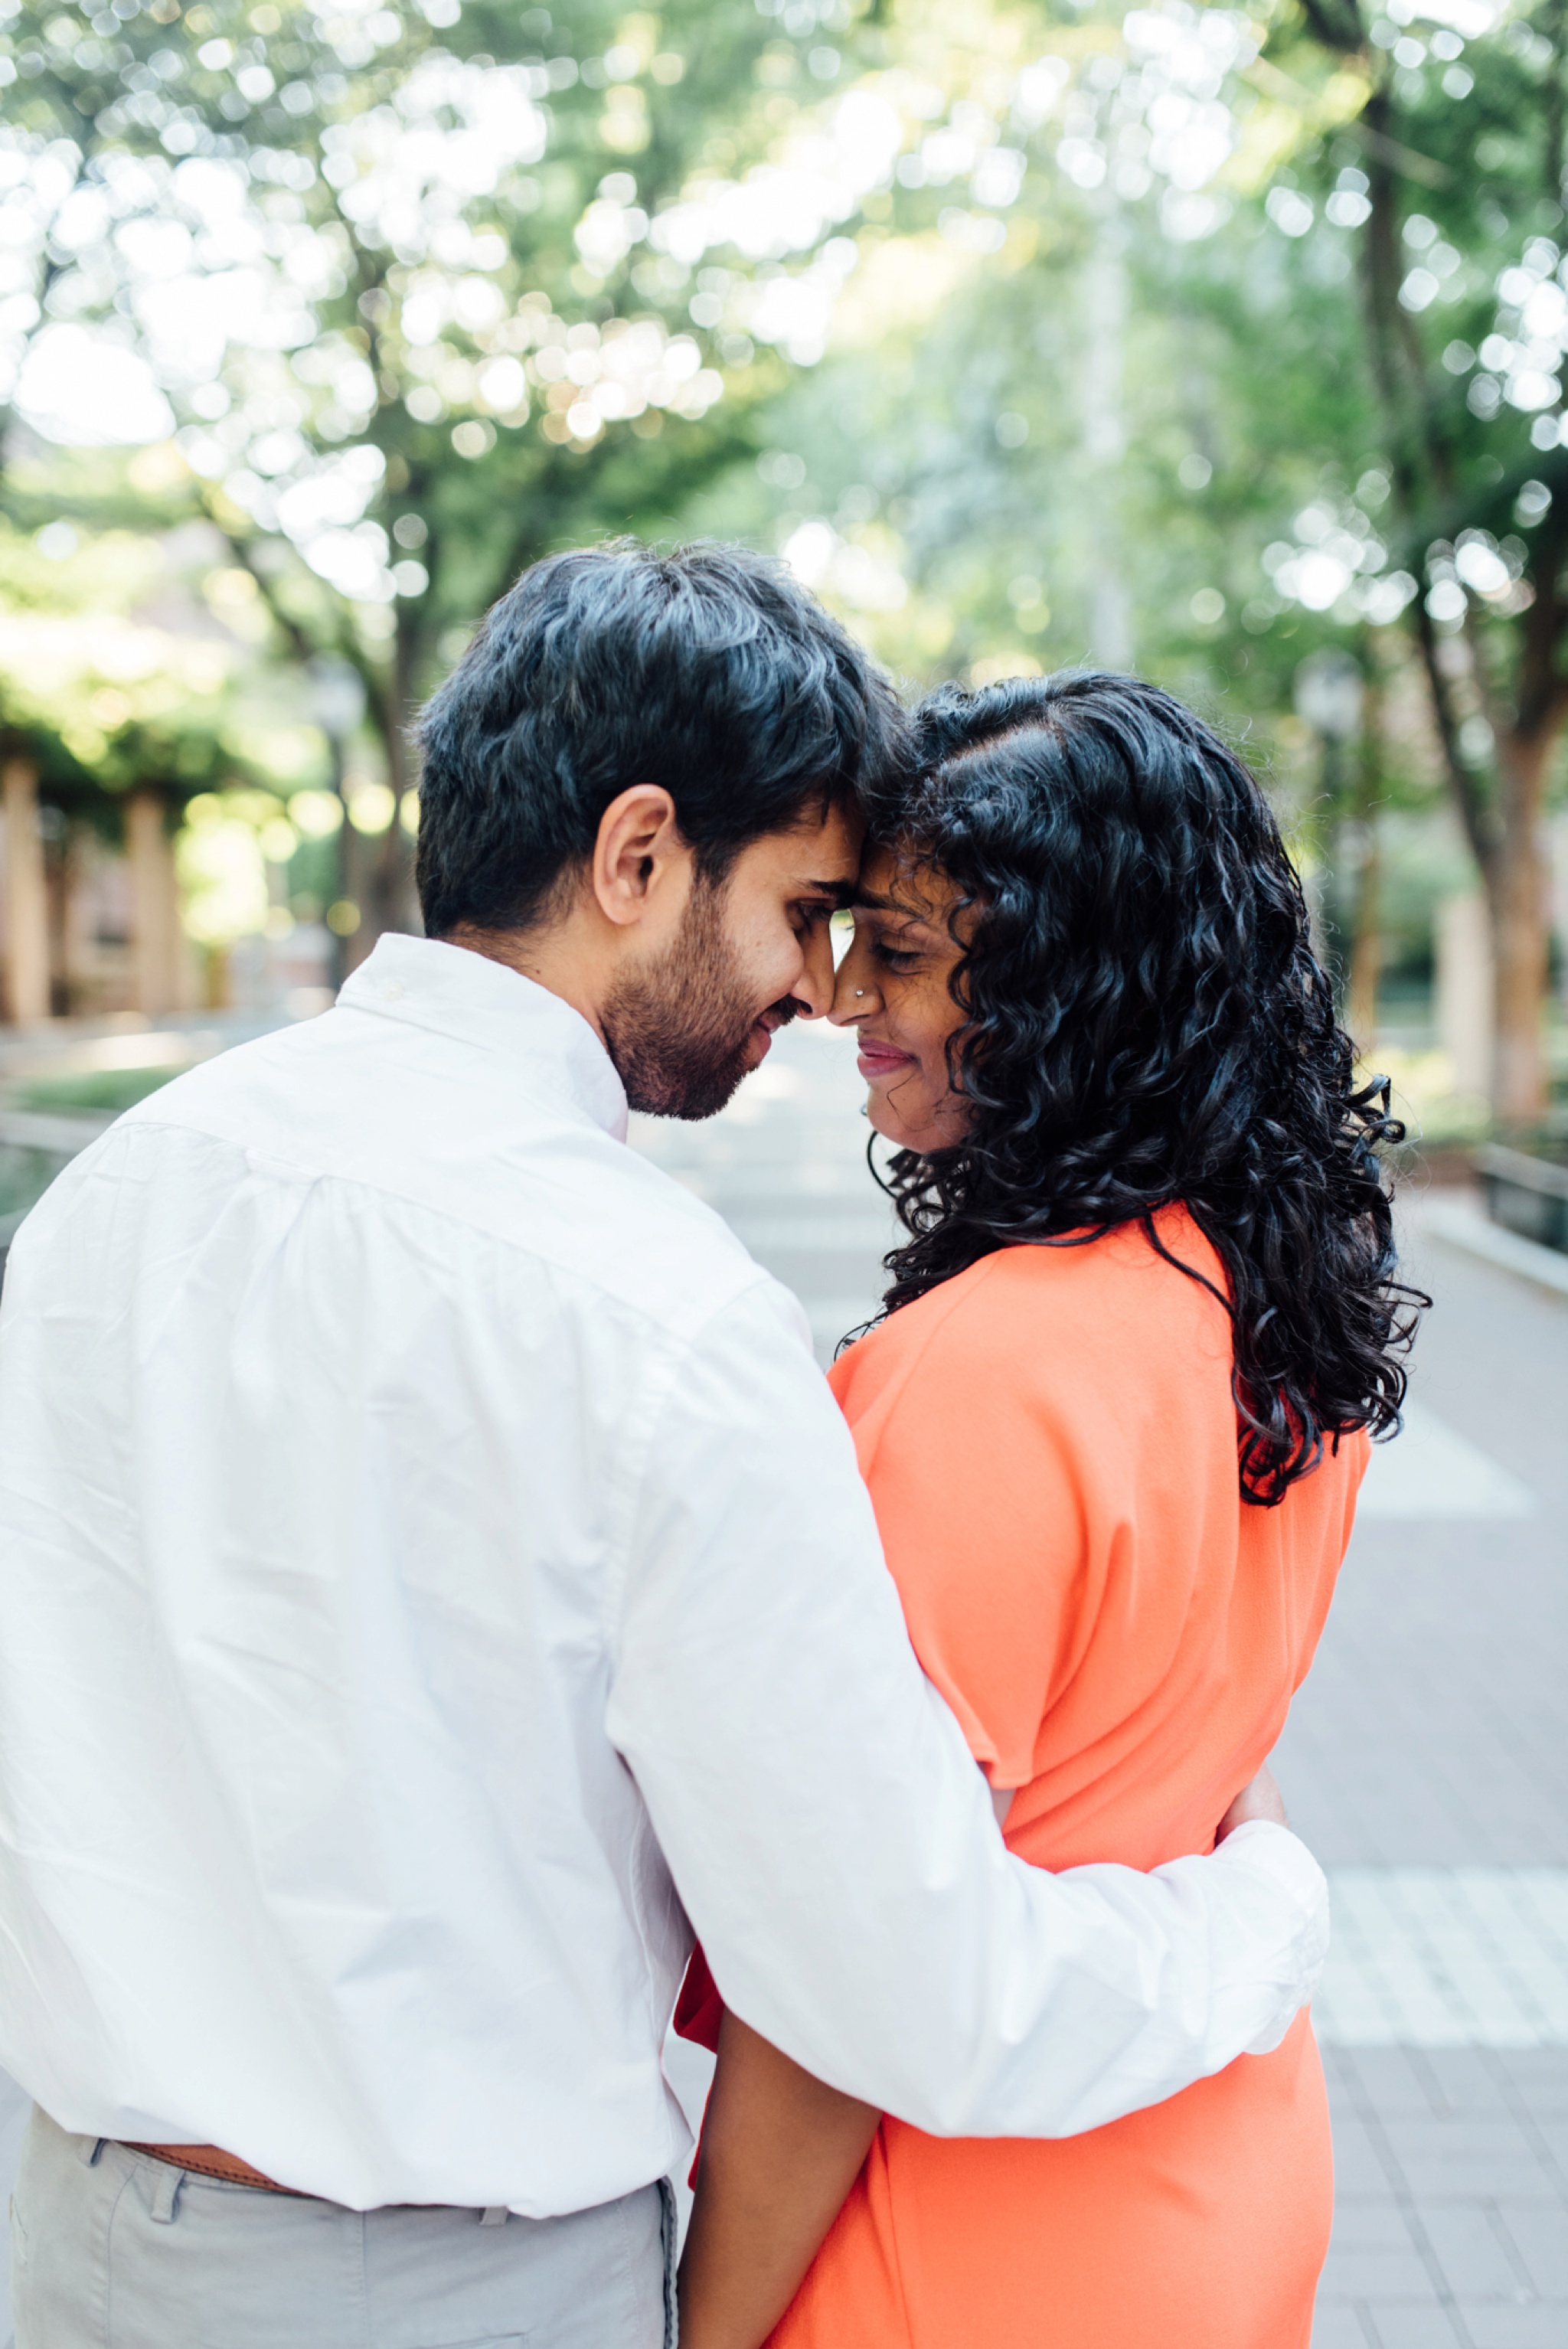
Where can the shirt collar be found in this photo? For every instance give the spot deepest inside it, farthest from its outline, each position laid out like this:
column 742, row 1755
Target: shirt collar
column 465, row 995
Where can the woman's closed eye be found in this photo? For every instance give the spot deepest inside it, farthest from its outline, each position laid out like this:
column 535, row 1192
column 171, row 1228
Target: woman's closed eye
column 893, row 957
column 895, row 944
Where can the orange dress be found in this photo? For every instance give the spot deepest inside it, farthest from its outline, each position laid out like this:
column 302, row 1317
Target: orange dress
column 1050, row 1443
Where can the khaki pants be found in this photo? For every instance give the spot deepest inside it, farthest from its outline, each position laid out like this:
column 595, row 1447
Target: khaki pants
column 111, row 2250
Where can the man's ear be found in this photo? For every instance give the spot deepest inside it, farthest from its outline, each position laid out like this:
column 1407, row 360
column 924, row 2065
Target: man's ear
column 639, row 848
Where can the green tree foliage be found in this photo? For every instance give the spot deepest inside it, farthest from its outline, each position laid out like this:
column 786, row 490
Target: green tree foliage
column 1219, row 411
column 1211, row 339
column 400, row 277
column 1449, row 177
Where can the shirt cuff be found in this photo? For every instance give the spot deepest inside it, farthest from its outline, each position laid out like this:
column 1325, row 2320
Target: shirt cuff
column 1273, row 1852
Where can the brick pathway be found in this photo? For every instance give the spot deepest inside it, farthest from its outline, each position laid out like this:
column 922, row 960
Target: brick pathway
column 1451, row 2215
column 1426, row 1764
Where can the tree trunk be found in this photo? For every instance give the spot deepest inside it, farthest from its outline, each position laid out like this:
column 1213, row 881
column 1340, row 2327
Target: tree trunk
column 158, row 950
column 60, row 880
column 27, row 899
column 1365, row 934
column 1517, row 899
column 378, row 866
column 1503, row 830
column 1366, row 949
column 397, row 906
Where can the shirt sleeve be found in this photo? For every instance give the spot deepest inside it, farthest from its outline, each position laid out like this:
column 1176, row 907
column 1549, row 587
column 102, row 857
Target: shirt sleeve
column 831, row 1840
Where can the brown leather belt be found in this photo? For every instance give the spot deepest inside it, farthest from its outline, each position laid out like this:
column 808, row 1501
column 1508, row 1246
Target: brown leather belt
column 212, row 2161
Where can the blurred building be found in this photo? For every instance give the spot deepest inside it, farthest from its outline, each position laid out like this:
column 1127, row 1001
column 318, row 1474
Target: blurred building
column 90, row 918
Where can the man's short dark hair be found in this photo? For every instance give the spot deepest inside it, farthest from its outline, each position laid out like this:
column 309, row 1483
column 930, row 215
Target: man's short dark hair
column 710, row 671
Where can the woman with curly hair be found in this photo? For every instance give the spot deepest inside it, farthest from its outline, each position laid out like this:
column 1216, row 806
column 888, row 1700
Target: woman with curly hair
column 1113, row 1418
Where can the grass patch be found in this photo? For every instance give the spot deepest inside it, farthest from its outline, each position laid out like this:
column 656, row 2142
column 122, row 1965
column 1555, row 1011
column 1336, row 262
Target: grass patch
column 111, row 1089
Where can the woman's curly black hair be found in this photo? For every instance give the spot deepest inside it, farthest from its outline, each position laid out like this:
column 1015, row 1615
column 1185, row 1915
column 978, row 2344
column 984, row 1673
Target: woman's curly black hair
column 1145, row 1022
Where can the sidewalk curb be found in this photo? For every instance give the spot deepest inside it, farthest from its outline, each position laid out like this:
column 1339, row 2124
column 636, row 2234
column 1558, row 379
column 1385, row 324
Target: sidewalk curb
column 1467, row 1228
column 64, row 1132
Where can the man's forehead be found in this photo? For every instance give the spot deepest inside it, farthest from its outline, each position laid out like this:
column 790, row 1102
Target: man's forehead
column 822, row 851
column 833, row 820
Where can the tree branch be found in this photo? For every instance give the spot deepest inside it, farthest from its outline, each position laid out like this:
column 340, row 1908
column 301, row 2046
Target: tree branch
column 1418, row 449
column 1266, row 76
column 1340, row 33
column 1400, row 158
column 1477, row 814
column 301, row 644
column 1553, row 19
column 1541, row 691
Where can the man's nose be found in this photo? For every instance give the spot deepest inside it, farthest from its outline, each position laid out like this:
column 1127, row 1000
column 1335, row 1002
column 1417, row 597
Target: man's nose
column 814, row 991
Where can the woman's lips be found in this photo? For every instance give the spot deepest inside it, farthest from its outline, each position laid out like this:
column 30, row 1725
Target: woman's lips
column 879, row 1059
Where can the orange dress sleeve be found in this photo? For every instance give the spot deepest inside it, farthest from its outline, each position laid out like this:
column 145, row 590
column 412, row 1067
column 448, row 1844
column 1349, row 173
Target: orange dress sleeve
column 1045, row 1503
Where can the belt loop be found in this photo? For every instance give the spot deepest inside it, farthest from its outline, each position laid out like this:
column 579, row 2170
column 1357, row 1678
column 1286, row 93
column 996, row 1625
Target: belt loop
column 496, row 2216
column 166, row 2193
column 89, row 2148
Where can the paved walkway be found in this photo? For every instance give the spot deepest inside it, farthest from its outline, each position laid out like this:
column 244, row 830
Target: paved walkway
column 1425, row 1759
column 1426, row 1764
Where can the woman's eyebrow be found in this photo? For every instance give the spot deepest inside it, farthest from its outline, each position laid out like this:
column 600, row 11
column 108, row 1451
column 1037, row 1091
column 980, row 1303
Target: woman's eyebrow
column 867, row 902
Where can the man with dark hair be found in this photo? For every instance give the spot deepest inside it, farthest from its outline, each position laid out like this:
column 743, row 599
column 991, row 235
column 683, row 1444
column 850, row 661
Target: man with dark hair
column 434, row 1569
column 751, row 730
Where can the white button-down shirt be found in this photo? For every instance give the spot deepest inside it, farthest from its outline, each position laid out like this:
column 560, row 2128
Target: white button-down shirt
column 432, row 1567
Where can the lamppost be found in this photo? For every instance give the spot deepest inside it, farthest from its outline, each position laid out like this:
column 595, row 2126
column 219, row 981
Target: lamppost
column 1329, row 692
column 337, row 705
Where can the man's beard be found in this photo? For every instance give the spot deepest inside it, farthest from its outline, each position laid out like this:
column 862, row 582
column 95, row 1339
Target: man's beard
column 679, row 1028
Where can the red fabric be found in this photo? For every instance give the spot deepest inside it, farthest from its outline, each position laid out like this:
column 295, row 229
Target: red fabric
column 699, row 2008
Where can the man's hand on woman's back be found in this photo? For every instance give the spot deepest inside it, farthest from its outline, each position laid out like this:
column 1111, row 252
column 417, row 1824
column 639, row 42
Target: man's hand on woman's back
column 1260, row 1798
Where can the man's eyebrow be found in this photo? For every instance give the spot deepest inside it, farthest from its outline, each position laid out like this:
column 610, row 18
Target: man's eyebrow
column 841, row 892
